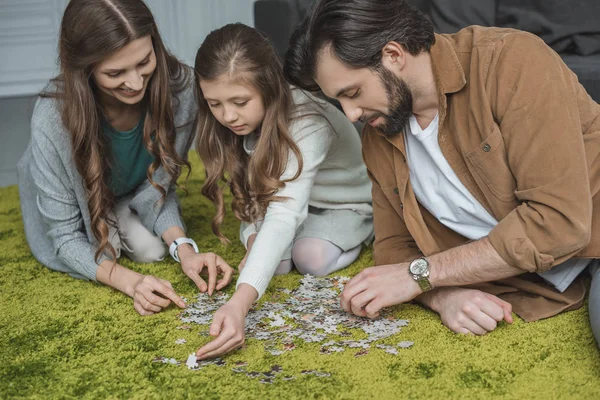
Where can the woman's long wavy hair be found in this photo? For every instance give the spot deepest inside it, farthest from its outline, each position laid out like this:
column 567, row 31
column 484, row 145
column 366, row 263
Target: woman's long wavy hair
column 245, row 56
column 90, row 31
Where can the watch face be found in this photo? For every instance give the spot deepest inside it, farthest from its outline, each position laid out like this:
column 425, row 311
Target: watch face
column 418, row 267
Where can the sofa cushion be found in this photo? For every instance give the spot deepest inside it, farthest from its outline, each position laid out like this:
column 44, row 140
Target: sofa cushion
column 452, row 16
column 567, row 26
column 422, row 5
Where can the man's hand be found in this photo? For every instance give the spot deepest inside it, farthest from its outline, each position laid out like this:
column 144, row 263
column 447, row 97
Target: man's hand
column 193, row 265
column 229, row 324
column 152, row 294
column 468, row 310
column 377, row 287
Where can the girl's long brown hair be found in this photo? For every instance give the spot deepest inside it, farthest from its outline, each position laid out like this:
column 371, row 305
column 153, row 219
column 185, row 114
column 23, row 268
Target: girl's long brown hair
column 245, row 56
column 90, row 31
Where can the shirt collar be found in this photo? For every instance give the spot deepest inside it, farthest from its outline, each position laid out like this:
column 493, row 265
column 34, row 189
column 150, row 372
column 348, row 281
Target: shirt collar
column 448, row 73
column 447, row 70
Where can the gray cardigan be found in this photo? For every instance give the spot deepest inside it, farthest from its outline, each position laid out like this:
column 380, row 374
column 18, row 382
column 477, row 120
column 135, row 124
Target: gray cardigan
column 54, row 203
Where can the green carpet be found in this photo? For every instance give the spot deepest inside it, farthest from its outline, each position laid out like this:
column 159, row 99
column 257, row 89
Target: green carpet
column 65, row 338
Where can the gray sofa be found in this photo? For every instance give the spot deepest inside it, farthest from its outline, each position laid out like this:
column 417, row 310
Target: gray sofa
column 570, row 27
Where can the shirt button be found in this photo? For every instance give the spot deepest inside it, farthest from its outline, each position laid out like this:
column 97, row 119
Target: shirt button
column 396, row 191
column 486, row 147
column 401, row 205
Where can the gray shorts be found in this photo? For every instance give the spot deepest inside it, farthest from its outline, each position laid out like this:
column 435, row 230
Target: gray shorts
column 344, row 228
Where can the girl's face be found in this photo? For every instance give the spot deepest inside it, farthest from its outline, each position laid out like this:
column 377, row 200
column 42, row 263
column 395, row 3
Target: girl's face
column 125, row 74
column 236, row 106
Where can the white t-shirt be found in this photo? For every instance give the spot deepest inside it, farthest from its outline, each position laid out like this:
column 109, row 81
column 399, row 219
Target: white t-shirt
column 439, row 190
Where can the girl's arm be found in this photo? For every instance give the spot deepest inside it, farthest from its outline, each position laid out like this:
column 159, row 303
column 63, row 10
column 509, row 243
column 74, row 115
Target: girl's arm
column 283, row 218
column 277, row 231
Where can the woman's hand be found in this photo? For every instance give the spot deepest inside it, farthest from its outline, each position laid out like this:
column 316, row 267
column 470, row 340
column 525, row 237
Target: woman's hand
column 152, row 294
column 229, row 324
column 193, row 264
column 146, row 290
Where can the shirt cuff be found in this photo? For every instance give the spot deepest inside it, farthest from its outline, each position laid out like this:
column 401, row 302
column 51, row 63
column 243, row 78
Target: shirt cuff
column 260, row 283
column 514, row 246
column 170, row 215
column 79, row 256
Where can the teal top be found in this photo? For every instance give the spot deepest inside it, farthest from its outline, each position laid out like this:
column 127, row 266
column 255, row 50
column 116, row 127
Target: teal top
column 130, row 158
column 55, row 201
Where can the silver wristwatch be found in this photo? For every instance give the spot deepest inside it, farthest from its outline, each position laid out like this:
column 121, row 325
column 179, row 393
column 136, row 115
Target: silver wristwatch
column 419, row 270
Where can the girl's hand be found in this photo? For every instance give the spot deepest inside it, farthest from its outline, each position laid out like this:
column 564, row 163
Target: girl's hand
column 193, row 265
column 229, row 323
column 152, row 294
column 228, row 327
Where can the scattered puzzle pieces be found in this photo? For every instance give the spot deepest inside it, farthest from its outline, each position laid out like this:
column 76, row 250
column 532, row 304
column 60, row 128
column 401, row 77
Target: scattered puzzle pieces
column 310, row 314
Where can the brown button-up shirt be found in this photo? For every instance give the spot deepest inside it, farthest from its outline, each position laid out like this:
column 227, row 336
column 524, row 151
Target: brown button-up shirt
column 523, row 136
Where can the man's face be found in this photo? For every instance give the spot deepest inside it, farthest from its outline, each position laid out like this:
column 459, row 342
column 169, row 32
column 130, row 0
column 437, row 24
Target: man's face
column 378, row 98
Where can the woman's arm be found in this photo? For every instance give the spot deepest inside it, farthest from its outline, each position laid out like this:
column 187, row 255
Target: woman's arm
column 58, row 205
column 193, row 263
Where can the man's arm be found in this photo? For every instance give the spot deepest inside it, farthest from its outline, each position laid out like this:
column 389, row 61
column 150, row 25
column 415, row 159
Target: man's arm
column 474, row 262
column 535, row 104
column 542, row 141
column 386, row 285
column 393, row 242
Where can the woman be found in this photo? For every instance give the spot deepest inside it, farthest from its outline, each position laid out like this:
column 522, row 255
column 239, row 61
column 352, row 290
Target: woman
column 109, row 137
column 293, row 164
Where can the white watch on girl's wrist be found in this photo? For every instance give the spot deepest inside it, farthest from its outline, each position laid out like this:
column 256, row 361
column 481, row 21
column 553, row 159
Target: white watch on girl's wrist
column 179, row 241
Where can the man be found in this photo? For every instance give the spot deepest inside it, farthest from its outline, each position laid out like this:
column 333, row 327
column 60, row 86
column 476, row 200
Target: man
column 484, row 153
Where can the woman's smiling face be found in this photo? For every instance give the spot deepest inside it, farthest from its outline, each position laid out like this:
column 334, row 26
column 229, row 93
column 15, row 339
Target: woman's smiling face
column 124, row 75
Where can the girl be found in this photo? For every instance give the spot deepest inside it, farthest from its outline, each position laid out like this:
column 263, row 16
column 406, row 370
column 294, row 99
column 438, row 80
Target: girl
column 293, row 164
column 109, row 137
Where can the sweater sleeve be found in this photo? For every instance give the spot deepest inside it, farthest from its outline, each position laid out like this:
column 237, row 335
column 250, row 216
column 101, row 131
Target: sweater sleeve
column 158, row 214
column 283, row 218
column 170, row 214
column 247, row 230
column 60, row 210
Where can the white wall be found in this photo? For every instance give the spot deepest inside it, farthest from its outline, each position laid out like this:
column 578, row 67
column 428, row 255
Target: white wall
column 29, row 32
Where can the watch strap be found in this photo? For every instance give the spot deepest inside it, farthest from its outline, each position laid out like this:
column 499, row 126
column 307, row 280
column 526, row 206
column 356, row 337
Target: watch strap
column 421, row 279
column 424, row 284
column 180, row 241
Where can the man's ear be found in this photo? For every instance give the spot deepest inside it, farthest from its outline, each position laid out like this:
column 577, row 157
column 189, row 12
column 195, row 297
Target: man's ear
column 393, row 56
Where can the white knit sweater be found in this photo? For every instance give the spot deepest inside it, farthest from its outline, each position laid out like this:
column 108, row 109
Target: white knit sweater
column 333, row 177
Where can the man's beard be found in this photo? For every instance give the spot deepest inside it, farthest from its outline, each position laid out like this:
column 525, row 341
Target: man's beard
column 400, row 102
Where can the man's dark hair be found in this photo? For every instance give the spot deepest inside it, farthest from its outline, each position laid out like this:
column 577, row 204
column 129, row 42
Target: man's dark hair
column 357, row 31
